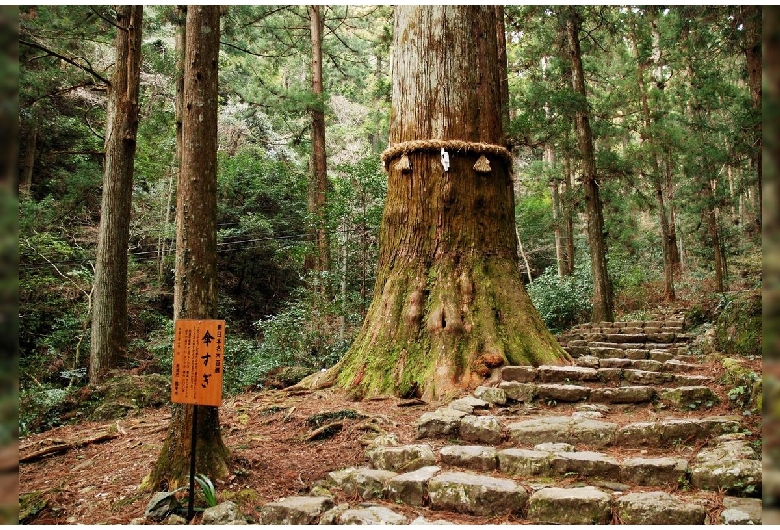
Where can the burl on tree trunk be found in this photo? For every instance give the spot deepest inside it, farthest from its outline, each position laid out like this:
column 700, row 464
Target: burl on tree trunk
column 449, row 303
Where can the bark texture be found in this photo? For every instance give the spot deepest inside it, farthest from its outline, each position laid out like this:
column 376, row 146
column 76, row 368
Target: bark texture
column 318, row 186
column 449, row 303
column 602, row 289
column 751, row 16
column 28, row 164
column 195, row 293
column 108, row 338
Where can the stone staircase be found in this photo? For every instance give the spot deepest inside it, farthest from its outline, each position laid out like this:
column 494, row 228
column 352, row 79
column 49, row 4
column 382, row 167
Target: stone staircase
column 622, row 436
column 659, row 340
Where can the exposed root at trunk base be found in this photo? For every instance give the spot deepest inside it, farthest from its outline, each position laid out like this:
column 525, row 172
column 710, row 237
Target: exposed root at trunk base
column 437, row 332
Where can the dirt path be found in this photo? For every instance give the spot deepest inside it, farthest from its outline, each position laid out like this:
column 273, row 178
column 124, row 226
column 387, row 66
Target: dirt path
column 97, row 477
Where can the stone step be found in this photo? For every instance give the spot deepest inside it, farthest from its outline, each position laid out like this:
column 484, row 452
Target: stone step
column 642, row 372
column 295, row 510
column 561, row 460
column 683, row 397
column 581, row 427
column 628, row 330
column 727, row 463
column 665, row 323
column 476, row 494
column 668, row 365
column 521, row 483
column 618, row 352
column 570, row 506
column 591, row 339
column 546, row 505
column 525, row 463
column 577, row 429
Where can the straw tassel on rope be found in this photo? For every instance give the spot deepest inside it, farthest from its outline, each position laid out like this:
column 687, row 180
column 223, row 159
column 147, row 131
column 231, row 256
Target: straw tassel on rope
column 482, row 165
column 403, row 165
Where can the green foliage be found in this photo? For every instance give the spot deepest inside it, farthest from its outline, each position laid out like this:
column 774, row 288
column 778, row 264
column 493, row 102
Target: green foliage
column 303, row 334
column 738, row 328
column 534, row 217
column 39, row 408
column 244, row 363
column 208, row 489
column 262, row 230
column 562, row 302
column 54, row 285
column 158, row 343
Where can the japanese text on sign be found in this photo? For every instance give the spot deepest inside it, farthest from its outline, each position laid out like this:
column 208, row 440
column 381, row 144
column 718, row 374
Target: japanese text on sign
column 198, row 346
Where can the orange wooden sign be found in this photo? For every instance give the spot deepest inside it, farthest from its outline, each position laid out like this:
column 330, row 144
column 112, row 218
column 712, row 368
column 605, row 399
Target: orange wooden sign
column 198, row 362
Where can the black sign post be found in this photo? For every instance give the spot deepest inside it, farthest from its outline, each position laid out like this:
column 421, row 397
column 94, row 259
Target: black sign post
column 191, row 501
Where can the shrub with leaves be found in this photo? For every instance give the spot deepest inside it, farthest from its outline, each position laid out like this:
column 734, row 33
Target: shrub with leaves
column 562, row 302
column 738, row 328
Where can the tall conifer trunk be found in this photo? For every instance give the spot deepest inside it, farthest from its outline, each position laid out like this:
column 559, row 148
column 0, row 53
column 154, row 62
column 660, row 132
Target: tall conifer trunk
column 602, row 290
column 449, row 303
column 28, row 164
column 108, row 338
column 667, row 245
column 318, row 185
column 195, row 294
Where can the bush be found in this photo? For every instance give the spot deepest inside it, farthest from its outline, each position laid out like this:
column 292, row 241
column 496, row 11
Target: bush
column 738, row 328
column 562, row 302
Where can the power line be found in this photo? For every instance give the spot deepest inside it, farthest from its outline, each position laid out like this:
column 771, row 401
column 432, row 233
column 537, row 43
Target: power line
column 227, row 246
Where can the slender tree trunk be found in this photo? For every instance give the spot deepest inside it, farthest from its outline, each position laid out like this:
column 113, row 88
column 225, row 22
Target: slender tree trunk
column 25, row 182
column 560, row 259
column 108, row 338
column 195, row 294
column 521, row 255
column 180, row 44
column 568, row 210
column 713, row 233
column 704, row 174
column 318, row 186
column 449, row 303
column 163, row 239
column 675, row 253
column 655, row 168
column 602, row 290
column 751, row 19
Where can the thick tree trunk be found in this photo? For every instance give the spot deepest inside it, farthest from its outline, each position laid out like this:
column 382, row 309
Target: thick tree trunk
column 602, row 290
column 318, row 186
column 195, row 294
column 108, row 339
column 449, row 302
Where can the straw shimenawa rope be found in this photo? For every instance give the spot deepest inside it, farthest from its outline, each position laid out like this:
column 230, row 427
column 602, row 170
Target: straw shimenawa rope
column 404, row 148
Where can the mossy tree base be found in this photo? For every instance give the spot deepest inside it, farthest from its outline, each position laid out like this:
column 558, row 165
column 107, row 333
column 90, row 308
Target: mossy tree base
column 435, row 332
column 172, row 469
